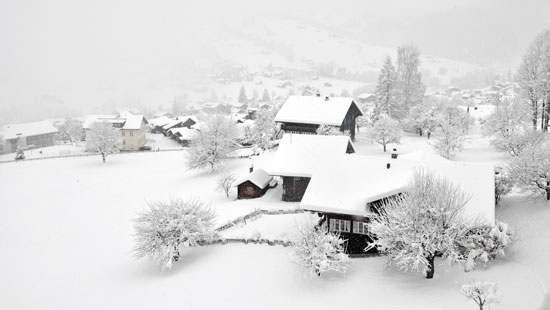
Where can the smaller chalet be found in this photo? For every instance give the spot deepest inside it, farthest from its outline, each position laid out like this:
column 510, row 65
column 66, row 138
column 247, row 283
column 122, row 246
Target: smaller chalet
column 157, row 123
column 347, row 190
column 304, row 114
column 254, row 185
column 298, row 156
column 183, row 135
column 179, row 122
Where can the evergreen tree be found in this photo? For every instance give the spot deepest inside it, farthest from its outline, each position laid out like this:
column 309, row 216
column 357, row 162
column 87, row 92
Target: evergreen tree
column 386, row 96
column 409, row 85
column 242, row 95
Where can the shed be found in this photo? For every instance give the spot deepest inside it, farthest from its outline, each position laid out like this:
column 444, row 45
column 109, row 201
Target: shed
column 254, row 185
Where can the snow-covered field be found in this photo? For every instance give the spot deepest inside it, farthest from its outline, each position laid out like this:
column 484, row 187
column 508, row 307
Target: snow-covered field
column 66, row 240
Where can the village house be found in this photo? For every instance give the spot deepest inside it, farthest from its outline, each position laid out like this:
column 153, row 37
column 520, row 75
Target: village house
column 184, row 135
column 298, row 156
column 132, row 129
column 157, row 123
column 26, row 136
column 347, row 190
column 304, row 114
column 254, row 185
column 179, row 122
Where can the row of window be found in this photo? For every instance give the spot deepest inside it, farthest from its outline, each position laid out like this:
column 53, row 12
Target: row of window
column 338, row 225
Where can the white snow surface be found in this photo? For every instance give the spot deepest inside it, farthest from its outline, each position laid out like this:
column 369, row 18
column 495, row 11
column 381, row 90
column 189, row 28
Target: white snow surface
column 12, row 131
column 315, row 110
column 345, row 184
column 298, row 154
column 259, row 177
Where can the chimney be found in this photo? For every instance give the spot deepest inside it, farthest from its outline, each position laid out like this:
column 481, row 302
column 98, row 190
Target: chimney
column 388, row 166
column 318, row 93
column 251, row 168
column 327, row 98
column 394, row 154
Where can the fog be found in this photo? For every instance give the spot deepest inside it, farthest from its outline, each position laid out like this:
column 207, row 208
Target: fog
column 88, row 55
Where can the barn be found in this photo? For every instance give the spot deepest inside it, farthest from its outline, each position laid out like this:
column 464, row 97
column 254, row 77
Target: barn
column 297, row 157
column 346, row 190
column 26, row 135
column 254, row 185
column 304, row 114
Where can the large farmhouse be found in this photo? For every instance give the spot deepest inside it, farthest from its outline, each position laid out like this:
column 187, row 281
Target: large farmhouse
column 132, row 129
column 298, row 156
column 26, row 135
column 304, row 114
column 347, row 190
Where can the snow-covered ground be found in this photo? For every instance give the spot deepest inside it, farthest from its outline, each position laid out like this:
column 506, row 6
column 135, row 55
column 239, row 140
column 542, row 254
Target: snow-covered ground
column 66, row 240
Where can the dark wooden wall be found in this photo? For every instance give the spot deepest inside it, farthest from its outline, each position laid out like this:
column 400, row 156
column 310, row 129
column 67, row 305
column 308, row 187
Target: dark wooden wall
column 242, row 190
column 299, row 128
column 356, row 243
column 294, row 188
column 349, row 120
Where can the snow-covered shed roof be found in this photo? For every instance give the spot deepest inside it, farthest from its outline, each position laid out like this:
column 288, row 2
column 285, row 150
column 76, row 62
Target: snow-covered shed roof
column 185, row 133
column 94, row 118
column 179, row 120
column 133, row 122
column 160, row 121
column 315, row 110
column 259, row 177
column 346, row 184
column 13, row 131
column 299, row 154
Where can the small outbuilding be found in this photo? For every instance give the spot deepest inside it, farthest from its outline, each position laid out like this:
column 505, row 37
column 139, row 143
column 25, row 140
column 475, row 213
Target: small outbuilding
column 254, row 185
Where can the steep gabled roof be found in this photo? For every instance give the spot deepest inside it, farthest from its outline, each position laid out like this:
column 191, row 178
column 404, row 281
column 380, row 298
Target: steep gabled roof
column 160, row 121
column 13, row 131
column 259, row 177
column 133, row 122
column 299, row 154
column 315, row 110
column 345, row 184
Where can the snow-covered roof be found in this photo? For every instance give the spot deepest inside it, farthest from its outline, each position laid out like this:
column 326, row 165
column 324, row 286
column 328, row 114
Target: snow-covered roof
column 160, row 121
column 315, row 110
column 185, row 133
column 133, row 122
column 94, row 118
column 345, row 184
column 299, row 154
column 259, row 177
column 13, row 131
column 179, row 120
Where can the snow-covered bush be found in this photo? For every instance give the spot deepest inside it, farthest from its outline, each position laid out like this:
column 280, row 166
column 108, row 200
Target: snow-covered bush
column 503, row 185
column 485, row 243
column 168, row 227
column 424, row 222
column 225, row 183
column 482, row 293
column 385, row 130
column 215, row 140
column 318, row 251
column 531, row 169
column 327, row 130
column 104, row 139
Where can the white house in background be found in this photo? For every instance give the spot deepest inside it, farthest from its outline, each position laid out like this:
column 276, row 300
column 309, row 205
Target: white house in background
column 298, row 156
column 347, row 190
column 26, row 135
column 132, row 128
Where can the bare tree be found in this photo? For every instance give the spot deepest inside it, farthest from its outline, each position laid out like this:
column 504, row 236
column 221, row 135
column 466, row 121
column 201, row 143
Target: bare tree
column 104, row 139
column 482, row 293
column 385, row 131
column 531, row 169
column 225, row 183
column 409, row 79
column 168, row 227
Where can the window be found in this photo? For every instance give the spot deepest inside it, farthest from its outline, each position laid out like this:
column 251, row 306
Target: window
column 131, row 133
column 250, row 191
column 360, row 228
column 339, row 225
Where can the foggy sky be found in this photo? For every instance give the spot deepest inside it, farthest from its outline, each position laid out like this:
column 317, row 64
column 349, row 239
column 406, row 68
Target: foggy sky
column 66, row 48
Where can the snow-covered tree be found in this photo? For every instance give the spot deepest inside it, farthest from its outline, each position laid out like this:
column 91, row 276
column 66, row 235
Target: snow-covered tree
column 318, row 250
column 410, row 90
column 449, row 134
column 533, row 77
column 328, row 130
column 482, row 293
column 385, row 130
column 531, row 169
column 422, row 119
column 104, row 139
column 71, row 130
column 265, row 96
column 167, row 228
column 422, row 223
column 264, row 129
column 509, row 125
column 503, row 185
column 483, row 243
column 214, row 141
column 386, row 92
column 242, row 95
column 225, row 183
